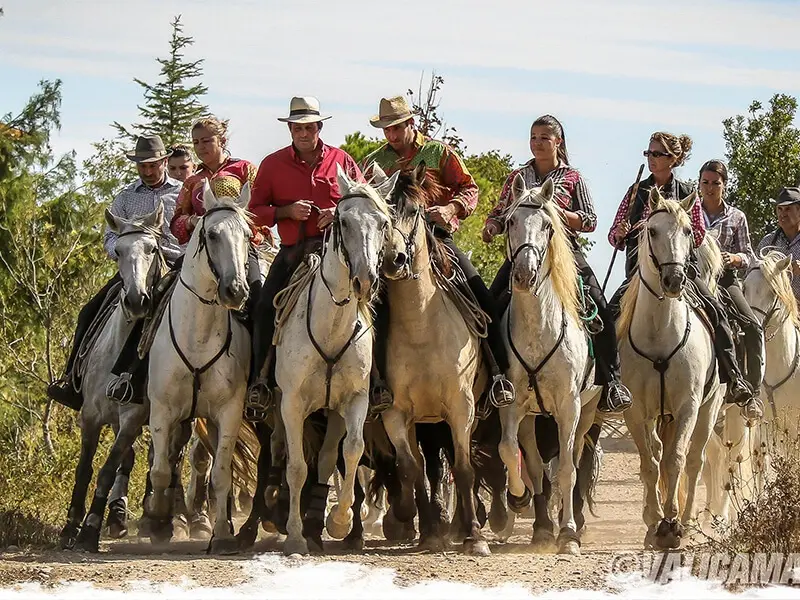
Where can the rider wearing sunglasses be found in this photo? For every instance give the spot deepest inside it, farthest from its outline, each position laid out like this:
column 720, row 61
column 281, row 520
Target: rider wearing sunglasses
column 665, row 153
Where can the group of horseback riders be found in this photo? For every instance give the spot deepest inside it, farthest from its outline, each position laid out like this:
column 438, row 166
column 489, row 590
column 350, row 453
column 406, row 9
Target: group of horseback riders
column 296, row 189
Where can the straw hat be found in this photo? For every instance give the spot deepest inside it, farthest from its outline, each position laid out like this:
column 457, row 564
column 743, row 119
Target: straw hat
column 391, row 111
column 303, row 109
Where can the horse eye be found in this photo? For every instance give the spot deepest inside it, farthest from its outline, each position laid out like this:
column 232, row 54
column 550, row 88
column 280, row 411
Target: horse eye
column 153, row 249
column 652, row 231
column 212, row 235
column 687, row 231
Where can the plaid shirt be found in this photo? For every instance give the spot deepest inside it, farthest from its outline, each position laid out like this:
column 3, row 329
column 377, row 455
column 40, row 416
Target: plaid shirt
column 137, row 200
column 571, row 193
column 777, row 240
column 732, row 233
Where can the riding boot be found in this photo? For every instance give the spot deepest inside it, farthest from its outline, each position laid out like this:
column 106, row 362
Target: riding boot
column 753, row 341
column 615, row 397
column 122, row 388
column 380, row 396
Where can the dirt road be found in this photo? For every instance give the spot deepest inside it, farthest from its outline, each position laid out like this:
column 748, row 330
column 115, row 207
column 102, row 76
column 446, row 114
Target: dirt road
column 618, row 527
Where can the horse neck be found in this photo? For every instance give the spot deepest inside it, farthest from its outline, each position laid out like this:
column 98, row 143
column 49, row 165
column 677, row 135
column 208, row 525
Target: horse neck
column 783, row 346
column 326, row 316
column 656, row 316
column 539, row 313
column 413, row 296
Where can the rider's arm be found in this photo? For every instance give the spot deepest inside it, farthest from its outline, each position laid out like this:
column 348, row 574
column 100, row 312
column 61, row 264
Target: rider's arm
column 117, row 208
column 698, row 223
column 621, row 216
column 743, row 248
column 580, row 215
column 454, row 175
column 261, row 201
column 181, row 224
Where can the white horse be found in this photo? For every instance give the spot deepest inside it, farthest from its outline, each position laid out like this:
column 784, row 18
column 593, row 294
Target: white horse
column 140, row 265
column 549, row 355
column 324, row 354
column 200, row 356
column 668, row 363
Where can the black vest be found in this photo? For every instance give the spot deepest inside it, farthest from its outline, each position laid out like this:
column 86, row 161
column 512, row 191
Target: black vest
column 675, row 189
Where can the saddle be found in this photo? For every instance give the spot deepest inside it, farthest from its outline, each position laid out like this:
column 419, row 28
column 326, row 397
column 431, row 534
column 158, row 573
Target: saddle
column 161, row 297
column 110, row 303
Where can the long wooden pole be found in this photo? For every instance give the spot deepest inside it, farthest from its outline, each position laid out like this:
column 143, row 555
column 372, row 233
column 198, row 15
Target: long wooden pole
column 631, row 201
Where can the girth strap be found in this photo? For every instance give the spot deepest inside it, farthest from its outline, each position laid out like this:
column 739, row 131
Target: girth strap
column 662, row 364
column 197, row 371
column 533, row 372
column 330, row 362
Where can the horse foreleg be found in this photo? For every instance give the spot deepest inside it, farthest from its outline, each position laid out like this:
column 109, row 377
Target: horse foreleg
column 340, row 520
column 543, row 539
column 162, row 424
column 519, row 496
column 674, row 463
column 258, row 512
column 695, row 457
column 90, row 438
column 567, row 426
column 197, row 491
column 460, row 422
column 408, row 468
column 649, row 447
column 296, row 472
column 228, row 421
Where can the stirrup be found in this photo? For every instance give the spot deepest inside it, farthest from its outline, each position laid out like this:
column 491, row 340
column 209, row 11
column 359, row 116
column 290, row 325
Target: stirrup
column 483, row 407
column 501, row 392
column 258, row 402
column 380, row 398
column 120, row 389
column 623, row 401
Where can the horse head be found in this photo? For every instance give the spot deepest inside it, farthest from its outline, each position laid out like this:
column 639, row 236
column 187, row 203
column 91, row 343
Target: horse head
column 529, row 229
column 768, row 287
column 668, row 241
column 224, row 233
column 361, row 229
column 139, row 258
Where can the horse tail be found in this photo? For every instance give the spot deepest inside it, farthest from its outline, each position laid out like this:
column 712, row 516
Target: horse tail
column 485, row 456
column 314, row 435
column 244, row 463
column 380, row 456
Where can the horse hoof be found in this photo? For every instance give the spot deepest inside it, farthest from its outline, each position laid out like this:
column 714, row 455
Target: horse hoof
column 200, row 527
column 247, row 535
column 291, row 546
column 68, row 536
column 669, row 534
column 543, row 541
column 88, row 539
column 338, row 530
column 570, row 547
column 393, row 529
column 354, row 542
column 314, row 543
column 519, row 503
column 650, row 538
column 180, row 528
column 498, row 520
column 224, row 546
column 117, row 531
column 432, row 543
column 160, row 533
column 476, row 547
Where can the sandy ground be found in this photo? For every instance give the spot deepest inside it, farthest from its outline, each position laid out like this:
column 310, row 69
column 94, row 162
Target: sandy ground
column 618, row 527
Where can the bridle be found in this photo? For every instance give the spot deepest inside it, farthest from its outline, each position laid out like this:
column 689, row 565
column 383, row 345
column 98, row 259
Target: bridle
column 539, row 254
column 659, row 265
column 410, row 243
column 156, row 266
column 202, row 245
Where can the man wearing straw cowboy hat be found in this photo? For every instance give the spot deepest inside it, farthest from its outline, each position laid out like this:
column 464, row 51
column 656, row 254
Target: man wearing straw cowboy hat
column 140, row 198
column 297, row 190
column 407, row 148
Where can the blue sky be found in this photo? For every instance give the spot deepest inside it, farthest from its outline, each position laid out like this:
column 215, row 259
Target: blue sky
column 613, row 71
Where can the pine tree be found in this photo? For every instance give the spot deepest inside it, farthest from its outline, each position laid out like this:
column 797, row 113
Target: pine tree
column 170, row 107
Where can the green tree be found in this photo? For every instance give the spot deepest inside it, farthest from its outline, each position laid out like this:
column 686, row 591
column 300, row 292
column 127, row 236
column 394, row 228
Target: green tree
column 763, row 153
column 359, row 146
column 171, row 105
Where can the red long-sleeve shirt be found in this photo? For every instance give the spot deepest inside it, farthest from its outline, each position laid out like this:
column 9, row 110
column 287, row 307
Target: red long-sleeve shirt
column 283, row 178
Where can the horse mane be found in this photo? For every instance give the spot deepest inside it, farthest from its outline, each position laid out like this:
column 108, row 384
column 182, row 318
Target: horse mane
column 231, row 203
column 780, row 282
column 709, row 259
column 563, row 270
column 412, row 192
column 365, row 189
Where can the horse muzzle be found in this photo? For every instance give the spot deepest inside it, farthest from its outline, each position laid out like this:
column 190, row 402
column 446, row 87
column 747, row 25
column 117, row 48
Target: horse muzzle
column 523, row 278
column 233, row 295
column 136, row 304
column 364, row 286
column 673, row 280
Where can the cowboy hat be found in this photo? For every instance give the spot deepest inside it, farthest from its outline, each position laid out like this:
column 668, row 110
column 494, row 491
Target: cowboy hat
column 788, row 195
column 391, row 111
column 303, row 109
column 149, row 148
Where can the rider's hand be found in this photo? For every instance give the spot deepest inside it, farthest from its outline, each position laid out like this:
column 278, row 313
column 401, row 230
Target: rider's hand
column 325, row 217
column 622, row 231
column 442, row 215
column 490, row 230
column 731, row 261
column 297, row 211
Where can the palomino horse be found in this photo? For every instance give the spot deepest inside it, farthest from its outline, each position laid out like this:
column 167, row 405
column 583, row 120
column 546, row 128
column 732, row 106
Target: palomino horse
column 668, row 363
column 140, row 266
column 324, row 354
column 434, row 364
column 200, row 356
column 550, row 357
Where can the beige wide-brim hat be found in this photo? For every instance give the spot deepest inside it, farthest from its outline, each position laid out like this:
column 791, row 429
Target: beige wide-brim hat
column 391, row 111
column 304, row 109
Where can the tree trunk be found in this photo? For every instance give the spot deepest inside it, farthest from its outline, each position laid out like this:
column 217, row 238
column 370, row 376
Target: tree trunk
column 48, row 441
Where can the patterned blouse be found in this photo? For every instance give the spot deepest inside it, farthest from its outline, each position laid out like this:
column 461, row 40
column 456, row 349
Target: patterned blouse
column 732, row 232
column 571, row 193
column 227, row 181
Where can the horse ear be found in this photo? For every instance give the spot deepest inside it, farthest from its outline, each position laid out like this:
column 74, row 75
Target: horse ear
column 209, row 200
column 784, row 263
column 548, row 190
column 155, row 219
column 244, row 197
column 386, row 188
column 378, row 174
column 419, row 174
column 113, row 222
column 687, row 203
column 518, row 187
column 654, row 199
column 345, row 183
